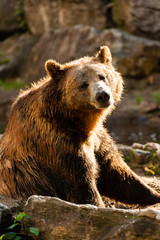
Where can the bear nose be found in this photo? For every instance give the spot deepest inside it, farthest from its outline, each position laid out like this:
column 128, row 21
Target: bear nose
column 102, row 97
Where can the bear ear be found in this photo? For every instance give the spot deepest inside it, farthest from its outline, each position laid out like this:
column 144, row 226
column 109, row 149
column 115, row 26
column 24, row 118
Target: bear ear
column 104, row 55
column 53, row 68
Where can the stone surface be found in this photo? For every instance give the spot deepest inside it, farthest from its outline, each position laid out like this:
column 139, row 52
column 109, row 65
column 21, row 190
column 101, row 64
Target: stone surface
column 140, row 17
column 133, row 56
column 42, row 15
column 6, row 100
column 13, row 204
column 152, row 146
column 5, row 217
column 57, row 219
column 13, row 53
column 138, row 155
column 9, row 21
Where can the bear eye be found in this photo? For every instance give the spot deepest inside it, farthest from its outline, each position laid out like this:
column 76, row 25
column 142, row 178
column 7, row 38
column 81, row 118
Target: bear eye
column 84, row 85
column 101, row 77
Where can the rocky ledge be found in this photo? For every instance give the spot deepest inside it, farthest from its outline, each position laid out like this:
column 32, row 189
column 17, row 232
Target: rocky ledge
column 57, row 219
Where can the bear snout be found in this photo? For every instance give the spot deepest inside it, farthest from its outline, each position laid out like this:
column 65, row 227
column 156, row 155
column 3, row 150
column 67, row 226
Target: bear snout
column 103, row 98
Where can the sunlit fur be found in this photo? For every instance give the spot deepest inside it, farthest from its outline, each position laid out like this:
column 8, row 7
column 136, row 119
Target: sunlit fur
column 55, row 143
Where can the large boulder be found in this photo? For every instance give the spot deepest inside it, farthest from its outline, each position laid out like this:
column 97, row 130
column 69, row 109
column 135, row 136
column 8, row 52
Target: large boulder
column 42, row 15
column 6, row 100
column 13, row 52
column 132, row 56
column 57, row 219
column 141, row 17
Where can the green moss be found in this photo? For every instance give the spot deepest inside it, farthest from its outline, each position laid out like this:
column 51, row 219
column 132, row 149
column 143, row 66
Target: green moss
column 19, row 12
column 139, row 99
column 116, row 14
column 2, row 54
column 5, row 61
column 6, row 85
column 157, row 97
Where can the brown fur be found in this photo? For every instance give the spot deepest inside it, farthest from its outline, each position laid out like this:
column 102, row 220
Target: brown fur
column 55, row 143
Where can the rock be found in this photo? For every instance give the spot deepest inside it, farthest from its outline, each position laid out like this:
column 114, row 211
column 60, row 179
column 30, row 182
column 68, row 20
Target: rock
column 13, row 204
column 10, row 13
column 57, row 219
column 13, row 53
column 130, row 15
column 6, row 100
column 142, row 156
column 132, row 56
column 152, row 146
column 158, row 154
column 150, row 107
column 153, row 182
column 5, row 217
column 125, row 150
column 137, row 155
column 42, row 15
column 138, row 146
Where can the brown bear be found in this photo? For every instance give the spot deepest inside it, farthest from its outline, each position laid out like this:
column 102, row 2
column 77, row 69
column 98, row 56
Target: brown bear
column 55, row 143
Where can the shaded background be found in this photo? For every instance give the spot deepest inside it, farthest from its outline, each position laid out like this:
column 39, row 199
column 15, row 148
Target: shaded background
column 33, row 31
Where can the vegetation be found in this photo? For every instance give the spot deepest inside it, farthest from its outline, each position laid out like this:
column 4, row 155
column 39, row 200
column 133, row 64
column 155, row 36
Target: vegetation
column 14, row 231
column 157, row 97
column 139, row 99
column 20, row 15
column 154, row 167
column 4, row 61
column 116, row 14
column 6, row 84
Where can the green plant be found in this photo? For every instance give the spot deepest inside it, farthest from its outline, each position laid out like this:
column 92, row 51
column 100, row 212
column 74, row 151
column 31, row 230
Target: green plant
column 116, row 14
column 4, row 61
column 139, row 99
column 6, row 85
column 16, row 234
column 20, row 14
column 157, row 98
column 2, row 54
column 152, row 169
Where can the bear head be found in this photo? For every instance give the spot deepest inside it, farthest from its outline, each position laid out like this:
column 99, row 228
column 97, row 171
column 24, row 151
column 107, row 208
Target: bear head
column 89, row 83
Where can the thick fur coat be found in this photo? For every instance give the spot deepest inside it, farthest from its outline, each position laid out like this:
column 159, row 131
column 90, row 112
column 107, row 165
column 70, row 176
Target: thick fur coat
column 55, row 143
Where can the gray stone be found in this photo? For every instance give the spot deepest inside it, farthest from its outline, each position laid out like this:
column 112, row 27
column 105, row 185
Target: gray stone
column 132, row 55
column 137, row 155
column 138, row 146
column 14, row 205
column 42, row 15
column 140, row 17
column 142, row 156
column 6, row 100
column 57, row 219
column 5, row 217
column 13, row 52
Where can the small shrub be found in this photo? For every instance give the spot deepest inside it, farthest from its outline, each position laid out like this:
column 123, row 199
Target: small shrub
column 138, row 98
column 16, row 234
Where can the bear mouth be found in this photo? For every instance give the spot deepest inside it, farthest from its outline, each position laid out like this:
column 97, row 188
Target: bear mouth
column 102, row 105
